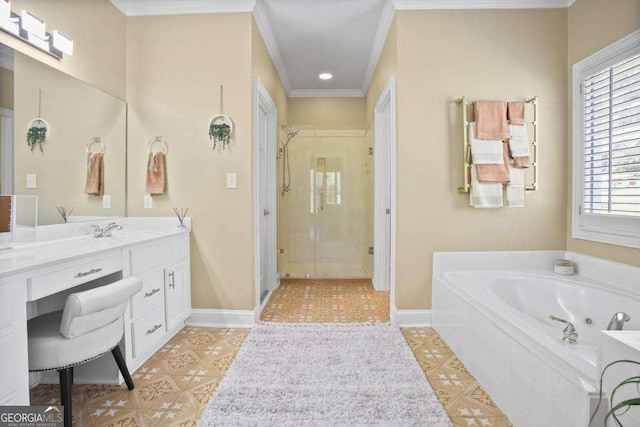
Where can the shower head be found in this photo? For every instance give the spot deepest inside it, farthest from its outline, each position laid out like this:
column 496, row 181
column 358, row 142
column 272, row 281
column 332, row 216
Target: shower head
column 290, row 133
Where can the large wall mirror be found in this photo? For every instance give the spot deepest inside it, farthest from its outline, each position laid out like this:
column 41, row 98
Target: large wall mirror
column 81, row 166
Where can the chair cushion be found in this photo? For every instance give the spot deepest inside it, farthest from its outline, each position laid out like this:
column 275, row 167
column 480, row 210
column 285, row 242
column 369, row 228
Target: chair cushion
column 49, row 350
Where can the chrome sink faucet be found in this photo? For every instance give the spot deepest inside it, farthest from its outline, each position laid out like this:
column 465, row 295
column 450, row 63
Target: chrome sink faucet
column 617, row 321
column 106, row 231
column 570, row 334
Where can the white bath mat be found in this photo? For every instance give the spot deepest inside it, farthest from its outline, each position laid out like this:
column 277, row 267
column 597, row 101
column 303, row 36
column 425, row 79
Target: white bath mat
column 324, row 375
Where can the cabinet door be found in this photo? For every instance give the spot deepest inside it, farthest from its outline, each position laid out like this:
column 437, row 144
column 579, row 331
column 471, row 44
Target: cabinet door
column 177, row 293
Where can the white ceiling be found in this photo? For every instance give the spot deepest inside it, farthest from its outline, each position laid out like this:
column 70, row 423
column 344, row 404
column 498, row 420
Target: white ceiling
column 307, row 37
column 334, row 36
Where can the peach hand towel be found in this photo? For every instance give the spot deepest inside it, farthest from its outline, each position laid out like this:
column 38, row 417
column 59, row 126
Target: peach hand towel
column 491, row 120
column 495, row 173
column 155, row 174
column 95, row 175
column 515, row 113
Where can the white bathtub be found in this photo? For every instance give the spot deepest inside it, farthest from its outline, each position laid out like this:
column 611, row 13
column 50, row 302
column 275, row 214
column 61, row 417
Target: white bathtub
column 497, row 322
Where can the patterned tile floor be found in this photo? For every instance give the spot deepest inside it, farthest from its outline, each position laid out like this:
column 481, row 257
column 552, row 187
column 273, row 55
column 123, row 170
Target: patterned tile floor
column 175, row 384
column 325, row 301
column 172, row 387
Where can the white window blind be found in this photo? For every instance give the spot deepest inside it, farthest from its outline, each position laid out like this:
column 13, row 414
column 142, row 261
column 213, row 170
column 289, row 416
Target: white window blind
column 611, row 101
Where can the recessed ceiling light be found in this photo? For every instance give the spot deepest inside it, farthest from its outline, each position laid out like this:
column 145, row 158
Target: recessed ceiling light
column 325, row 76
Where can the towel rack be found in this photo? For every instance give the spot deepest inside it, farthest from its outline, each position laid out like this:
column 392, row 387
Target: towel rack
column 466, row 149
column 96, row 140
column 159, row 139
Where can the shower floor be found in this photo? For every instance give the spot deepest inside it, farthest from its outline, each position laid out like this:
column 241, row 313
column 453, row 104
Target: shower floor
column 337, row 270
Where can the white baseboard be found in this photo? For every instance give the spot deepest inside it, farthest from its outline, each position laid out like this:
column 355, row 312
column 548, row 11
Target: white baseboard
column 412, row 318
column 215, row 318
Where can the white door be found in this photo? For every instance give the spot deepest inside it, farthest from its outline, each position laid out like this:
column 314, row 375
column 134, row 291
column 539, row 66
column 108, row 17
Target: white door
column 384, row 184
column 6, row 151
column 265, row 140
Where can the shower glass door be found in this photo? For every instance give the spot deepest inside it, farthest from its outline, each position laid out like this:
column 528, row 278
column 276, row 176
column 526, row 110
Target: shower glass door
column 325, row 230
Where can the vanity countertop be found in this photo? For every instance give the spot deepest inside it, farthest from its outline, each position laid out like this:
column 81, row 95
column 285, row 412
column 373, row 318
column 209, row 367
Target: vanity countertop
column 24, row 257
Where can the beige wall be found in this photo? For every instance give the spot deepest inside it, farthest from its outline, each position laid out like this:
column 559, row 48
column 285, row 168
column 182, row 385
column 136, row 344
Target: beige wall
column 6, row 88
column 175, row 66
column 593, row 25
column 328, row 113
column 98, row 29
column 482, row 54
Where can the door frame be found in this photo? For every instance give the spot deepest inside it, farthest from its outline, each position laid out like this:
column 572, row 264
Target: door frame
column 385, row 187
column 6, row 141
column 263, row 101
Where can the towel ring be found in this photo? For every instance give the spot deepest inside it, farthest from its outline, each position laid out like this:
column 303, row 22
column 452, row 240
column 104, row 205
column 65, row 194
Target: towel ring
column 165, row 147
column 96, row 140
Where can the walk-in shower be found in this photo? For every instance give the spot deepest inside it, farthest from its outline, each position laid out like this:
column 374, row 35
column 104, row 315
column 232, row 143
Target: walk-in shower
column 326, row 202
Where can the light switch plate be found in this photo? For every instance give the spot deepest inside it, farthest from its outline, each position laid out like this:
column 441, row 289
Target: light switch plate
column 148, row 201
column 106, row 201
column 232, row 180
column 31, row 180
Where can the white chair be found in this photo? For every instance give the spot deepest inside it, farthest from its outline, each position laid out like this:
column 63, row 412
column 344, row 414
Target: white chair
column 90, row 325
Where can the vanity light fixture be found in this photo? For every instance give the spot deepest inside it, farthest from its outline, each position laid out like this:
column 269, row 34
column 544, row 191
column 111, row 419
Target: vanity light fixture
column 31, row 29
column 325, row 76
column 63, row 43
column 8, row 22
column 33, row 25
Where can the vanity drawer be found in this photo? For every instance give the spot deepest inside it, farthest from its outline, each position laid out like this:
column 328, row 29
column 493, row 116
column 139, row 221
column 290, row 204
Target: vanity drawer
column 159, row 254
column 151, row 295
column 148, row 330
column 73, row 275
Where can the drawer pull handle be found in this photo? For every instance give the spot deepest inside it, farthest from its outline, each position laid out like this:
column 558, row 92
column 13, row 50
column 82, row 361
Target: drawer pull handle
column 172, row 277
column 87, row 273
column 153, row 292
column 155, row 328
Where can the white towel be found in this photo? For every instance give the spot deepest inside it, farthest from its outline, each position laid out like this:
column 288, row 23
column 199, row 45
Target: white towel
column 515, row 188
column 519, row 142
column 484, row 152
column 484, row 195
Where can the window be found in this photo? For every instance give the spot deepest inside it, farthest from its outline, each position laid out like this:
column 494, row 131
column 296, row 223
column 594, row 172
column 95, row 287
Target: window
column 607, row 144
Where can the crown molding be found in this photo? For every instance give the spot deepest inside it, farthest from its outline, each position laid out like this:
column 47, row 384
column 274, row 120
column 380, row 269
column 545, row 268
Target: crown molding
column 386, row 20
column 480, row 4
column 327, row 93
column 182, row 7
column 263, row 24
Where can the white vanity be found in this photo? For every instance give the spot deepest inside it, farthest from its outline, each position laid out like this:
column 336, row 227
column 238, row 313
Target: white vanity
column 36, row 278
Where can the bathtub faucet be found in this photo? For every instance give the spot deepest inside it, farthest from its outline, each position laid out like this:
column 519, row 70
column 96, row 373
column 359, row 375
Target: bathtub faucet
column 570, row 334
column 617, row 321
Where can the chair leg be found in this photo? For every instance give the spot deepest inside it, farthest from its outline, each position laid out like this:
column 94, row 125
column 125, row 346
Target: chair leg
column 122, row 365
column 66, row 379
column 71, row 369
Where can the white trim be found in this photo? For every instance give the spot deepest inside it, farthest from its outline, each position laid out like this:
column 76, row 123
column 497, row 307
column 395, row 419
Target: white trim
column 182, row 7
column 412, row 318
column 385, row 192
column 262, row 99
column 327, row 93
column 215, row 318
column 263, row 24
column 386, row 20
column 480, row 4
column 611, row 230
